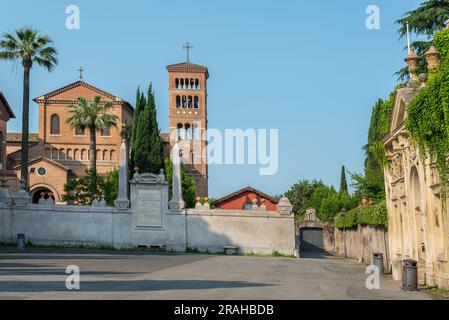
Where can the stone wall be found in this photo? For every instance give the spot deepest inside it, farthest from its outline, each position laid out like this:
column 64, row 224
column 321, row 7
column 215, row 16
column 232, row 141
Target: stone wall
column 360, row 243
column 203, row 229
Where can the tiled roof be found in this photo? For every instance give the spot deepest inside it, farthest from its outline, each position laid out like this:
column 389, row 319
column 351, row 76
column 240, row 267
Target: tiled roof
column 246, row 189
column 54, row 163
column 188, row 67
column 17, row 137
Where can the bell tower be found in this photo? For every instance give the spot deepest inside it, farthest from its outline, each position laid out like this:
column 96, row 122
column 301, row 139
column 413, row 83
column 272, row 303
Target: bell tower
column 188, row 117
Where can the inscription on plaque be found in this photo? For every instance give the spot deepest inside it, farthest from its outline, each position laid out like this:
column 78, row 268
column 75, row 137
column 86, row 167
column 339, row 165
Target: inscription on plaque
column 149, row 208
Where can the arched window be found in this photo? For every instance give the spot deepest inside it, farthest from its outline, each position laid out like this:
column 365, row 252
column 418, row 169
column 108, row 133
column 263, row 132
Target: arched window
column 184, row 102
column 48, row 153
column 190, row 104
column 178, row 101
column 112, row 155
column 61, row 154
column 197, row 84
column 83, row 154
column 99, row 155
column 105, row 155
column 69, row 155
column 54, row 125
column 188, row 129
column 76, row 154
column 196, row 102
column 179, row 133
column 54, row 153
column 177, row 83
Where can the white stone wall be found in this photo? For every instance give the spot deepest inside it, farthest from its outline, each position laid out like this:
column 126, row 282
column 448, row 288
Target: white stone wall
column 203, row 229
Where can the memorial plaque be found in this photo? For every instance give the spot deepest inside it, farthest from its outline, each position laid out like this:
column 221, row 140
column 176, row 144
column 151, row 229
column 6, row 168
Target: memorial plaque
column 149, row 208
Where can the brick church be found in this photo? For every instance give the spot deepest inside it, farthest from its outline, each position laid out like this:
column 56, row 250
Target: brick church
column 59, row 153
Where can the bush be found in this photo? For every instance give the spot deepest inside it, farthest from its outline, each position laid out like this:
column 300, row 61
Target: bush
column 372, row 215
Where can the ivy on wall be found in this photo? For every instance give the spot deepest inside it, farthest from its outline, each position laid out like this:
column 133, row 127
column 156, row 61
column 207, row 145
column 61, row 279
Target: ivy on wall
column 428, row 114
column 371, row 215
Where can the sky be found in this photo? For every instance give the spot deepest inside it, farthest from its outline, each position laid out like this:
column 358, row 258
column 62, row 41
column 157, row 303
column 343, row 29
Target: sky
column 310, row 69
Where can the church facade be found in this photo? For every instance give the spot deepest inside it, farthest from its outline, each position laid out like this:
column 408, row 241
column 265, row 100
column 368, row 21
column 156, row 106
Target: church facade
column 59, row 153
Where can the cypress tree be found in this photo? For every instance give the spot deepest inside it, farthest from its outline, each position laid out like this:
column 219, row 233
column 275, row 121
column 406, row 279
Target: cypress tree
column 343, row 182
column 147, row 150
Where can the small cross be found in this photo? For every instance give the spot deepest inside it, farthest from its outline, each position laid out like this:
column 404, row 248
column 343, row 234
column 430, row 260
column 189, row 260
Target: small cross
column 81, row 73
column 187, row 46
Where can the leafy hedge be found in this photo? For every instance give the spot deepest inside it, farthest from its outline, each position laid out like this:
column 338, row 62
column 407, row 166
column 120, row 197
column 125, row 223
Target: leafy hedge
column 428, row 114
column 373, row 215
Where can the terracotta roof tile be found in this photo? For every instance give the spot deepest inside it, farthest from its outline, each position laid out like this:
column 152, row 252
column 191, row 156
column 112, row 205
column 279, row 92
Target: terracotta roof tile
column 188, row 67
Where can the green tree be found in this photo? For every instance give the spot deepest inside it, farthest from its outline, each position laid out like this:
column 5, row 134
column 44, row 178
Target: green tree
column 27, row 46
column 343, row 182
column 84, row 190
column 300, row 195
column 95, row 116
column 188, row 184
column 110, row 186
column 147, row 149
column 425, row 20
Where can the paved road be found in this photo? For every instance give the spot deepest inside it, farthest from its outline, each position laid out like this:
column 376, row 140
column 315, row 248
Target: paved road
column 40, row 274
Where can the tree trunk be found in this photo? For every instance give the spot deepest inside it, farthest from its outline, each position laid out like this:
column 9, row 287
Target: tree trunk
column 25, row 129
column 93, row 149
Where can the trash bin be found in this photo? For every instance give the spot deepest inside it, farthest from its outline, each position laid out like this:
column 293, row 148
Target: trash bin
column 378, row 261
column 410, row 275
column 21, row 242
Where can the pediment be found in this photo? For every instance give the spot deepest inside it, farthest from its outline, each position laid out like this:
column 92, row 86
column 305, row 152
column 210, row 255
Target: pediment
column 402, row 99
column 149, row 178
column 75, row 90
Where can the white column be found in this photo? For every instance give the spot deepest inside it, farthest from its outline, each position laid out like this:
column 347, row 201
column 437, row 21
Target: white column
column 122, row 202
column 176, row 204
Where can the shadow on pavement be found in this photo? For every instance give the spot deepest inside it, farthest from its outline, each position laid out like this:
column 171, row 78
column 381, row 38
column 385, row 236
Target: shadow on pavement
column 122, row 286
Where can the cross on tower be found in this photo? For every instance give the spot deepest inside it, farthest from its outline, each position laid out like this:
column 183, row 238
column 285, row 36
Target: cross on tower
column 187, row 46
column 81, row 73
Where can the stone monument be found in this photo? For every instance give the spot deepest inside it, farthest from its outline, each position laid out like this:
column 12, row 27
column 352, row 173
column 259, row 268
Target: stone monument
column 176, row 203
column 149, row 198
column 122, row 201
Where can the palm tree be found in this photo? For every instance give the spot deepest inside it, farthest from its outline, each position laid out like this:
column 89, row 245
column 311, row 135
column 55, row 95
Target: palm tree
column 27, row 46
column 428, row 18
column 95, row 116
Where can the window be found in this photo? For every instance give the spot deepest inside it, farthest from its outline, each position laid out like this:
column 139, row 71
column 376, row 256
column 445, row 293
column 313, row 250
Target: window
column 80, row 131
column 42, row 171
column 248, row 206
column 54, row 125
column 106, row 132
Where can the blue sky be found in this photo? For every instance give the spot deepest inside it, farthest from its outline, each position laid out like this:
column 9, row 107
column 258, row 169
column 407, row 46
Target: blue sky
column 309, row 68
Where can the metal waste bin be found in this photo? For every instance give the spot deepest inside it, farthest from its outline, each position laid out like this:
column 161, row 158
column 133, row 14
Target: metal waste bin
column 410, row 275
column 21, row 242
column 378, row 261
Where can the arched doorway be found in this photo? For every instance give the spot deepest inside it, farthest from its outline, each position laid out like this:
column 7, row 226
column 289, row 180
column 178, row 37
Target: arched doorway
column 419, row 217
column 42, row 191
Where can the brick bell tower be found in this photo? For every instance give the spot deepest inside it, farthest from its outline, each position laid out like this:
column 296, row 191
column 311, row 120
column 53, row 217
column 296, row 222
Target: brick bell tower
column 188, row 117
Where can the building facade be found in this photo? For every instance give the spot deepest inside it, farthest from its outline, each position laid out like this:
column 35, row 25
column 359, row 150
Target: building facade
column 58, row 152
column 418, row 220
